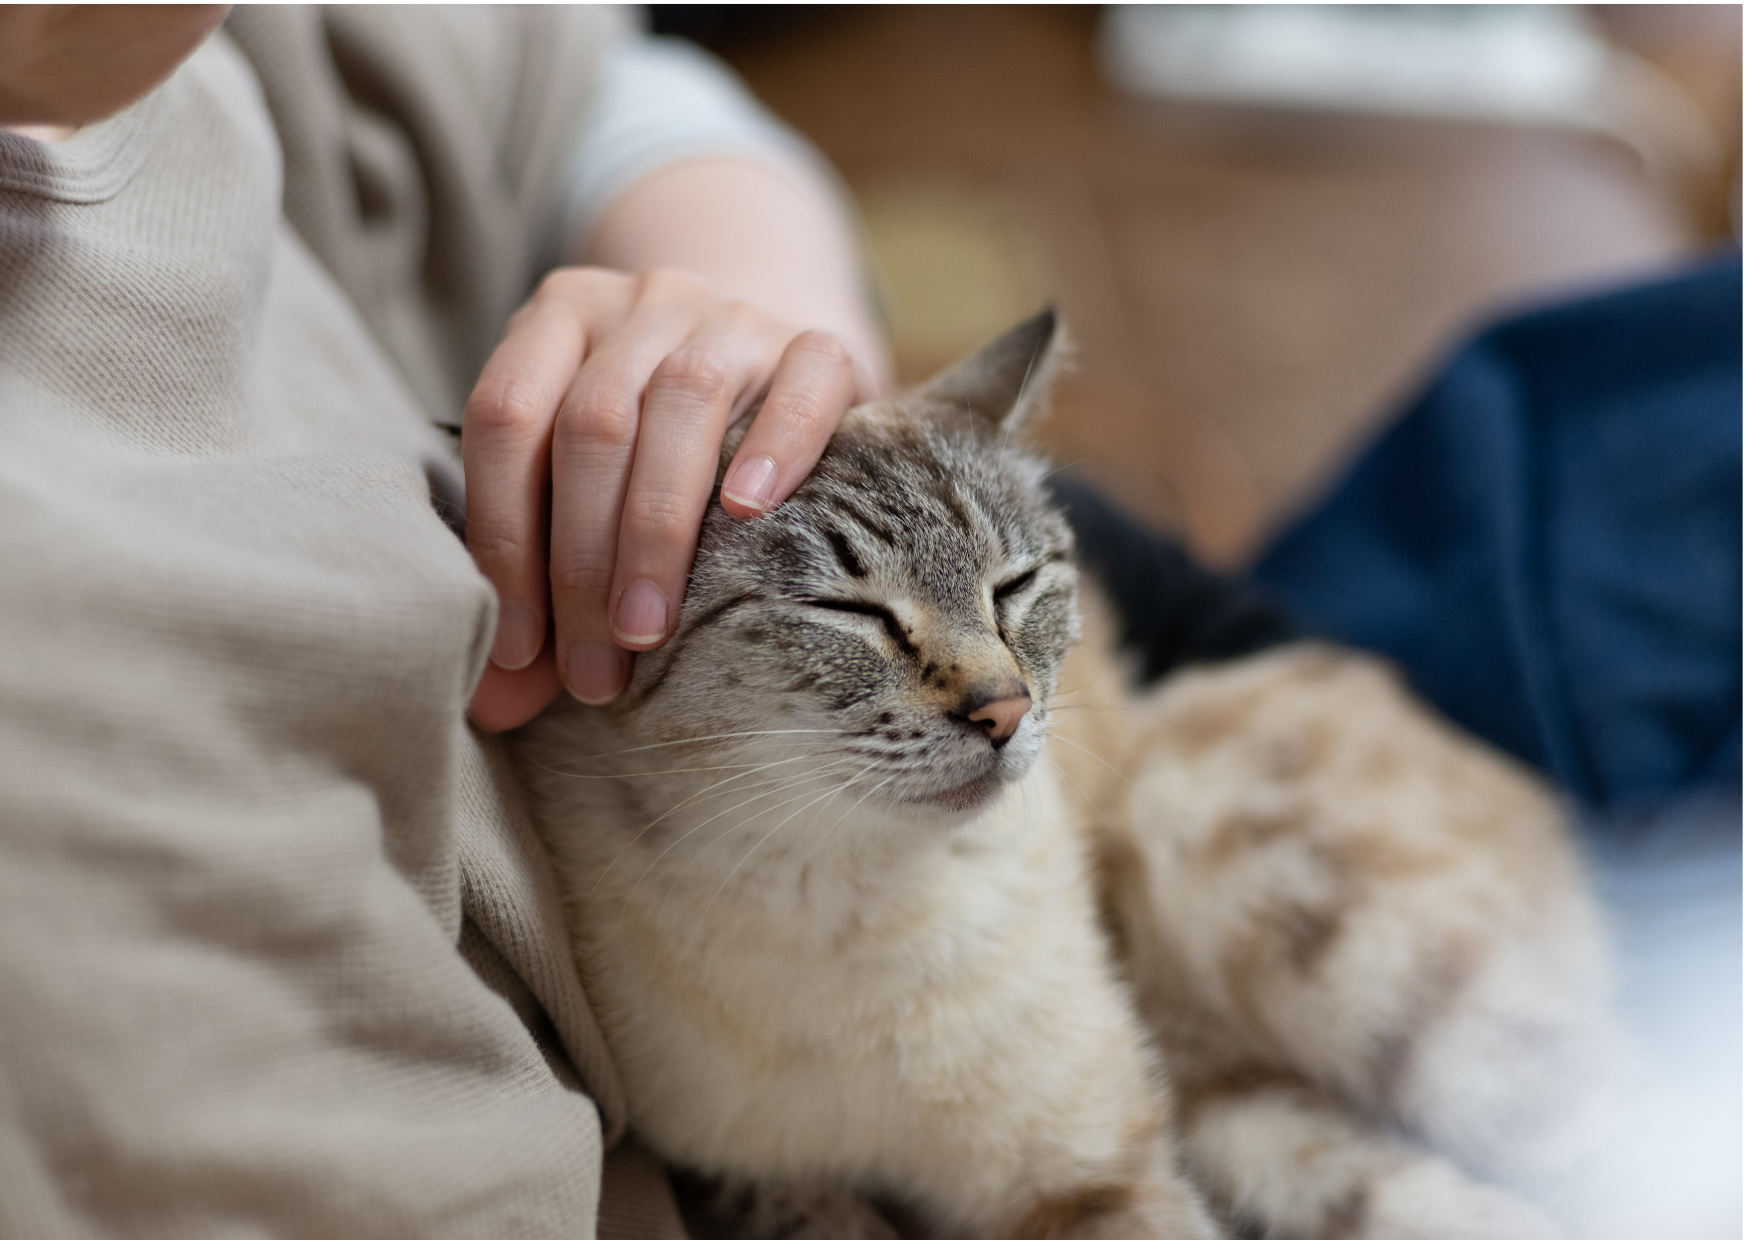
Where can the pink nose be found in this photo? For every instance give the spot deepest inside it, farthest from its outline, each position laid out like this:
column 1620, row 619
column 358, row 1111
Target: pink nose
column 1002, row 717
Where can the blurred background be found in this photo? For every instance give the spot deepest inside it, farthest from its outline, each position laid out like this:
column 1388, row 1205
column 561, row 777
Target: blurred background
column 1264, row 225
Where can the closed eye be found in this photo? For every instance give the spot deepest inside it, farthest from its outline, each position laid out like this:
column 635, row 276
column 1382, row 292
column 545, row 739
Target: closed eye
column 1010, row 588
column 894, row 629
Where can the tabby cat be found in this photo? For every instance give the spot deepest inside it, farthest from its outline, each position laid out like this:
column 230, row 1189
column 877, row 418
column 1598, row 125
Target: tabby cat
column 903, row 916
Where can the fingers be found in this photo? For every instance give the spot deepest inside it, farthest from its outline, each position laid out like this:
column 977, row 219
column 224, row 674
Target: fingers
column 595, row 446
column 632, row 477
column 591, row 444
column 506, row 445
column 510, row 699
column 816, row 382
column 688, row 406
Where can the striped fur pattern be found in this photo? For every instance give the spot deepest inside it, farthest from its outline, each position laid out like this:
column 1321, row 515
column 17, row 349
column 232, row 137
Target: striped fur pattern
column 1362, row 941
column 1193, row 962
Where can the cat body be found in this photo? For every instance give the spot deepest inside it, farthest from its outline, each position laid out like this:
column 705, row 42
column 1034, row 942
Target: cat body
column 875, row 1001
column 854, row 934
column 1362, row 941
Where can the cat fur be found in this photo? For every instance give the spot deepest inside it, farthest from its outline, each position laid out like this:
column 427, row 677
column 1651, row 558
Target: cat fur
column 1268, row 948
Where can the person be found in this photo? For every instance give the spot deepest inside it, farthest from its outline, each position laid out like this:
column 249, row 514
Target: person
column 280, row 952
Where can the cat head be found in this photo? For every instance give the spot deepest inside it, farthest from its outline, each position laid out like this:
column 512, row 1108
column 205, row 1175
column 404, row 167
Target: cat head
column 904, row 613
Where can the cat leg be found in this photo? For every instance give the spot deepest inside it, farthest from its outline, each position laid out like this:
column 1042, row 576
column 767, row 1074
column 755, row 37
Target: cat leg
column 1360, row 895
column 1159, row 1205
column 1283, row 1160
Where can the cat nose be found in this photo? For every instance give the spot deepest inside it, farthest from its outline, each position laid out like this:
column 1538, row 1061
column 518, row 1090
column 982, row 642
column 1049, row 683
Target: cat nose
column 999, row 716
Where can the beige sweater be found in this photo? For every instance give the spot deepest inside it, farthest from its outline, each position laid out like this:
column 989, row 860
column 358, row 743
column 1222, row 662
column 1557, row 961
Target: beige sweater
column 278, row 952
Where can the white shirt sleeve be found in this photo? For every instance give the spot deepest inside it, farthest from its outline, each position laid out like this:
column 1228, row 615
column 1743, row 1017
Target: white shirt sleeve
column 662, row 101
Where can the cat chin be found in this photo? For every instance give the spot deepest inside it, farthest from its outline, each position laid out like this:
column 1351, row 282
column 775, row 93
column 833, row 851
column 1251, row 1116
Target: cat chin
column 974, row 795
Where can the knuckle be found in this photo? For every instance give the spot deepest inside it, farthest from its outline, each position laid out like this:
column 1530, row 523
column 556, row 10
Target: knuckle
column 808, row 418
column 567, row 284
column 743, row 316
column 826, row 347
column 556, row 285
column 700, row 373
column 663, row 519
column 495, row 545
column 505, row 406
column 601, row 415
column 583, row 576
column 660, row 283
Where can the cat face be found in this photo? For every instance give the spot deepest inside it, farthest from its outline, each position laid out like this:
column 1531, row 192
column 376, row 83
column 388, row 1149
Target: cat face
column 895, row 616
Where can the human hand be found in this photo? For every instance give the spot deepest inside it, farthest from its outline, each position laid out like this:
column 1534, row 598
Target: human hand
column 591, row 444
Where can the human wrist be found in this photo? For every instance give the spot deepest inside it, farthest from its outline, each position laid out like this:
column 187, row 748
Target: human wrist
column 776, row 236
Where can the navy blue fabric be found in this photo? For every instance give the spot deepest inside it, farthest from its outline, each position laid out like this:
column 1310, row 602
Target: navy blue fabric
column 1550, row 540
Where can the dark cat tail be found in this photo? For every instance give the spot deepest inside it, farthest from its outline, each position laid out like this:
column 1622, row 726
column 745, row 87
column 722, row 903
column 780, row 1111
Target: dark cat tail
column 1006, row 382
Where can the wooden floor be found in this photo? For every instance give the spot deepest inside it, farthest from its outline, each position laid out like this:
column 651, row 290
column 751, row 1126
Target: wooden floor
column 1251, row 292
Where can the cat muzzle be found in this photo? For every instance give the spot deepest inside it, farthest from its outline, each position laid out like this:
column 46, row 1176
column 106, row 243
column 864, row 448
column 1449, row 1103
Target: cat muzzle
column 997, row 711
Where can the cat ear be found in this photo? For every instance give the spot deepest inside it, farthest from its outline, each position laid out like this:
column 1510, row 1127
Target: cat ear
column 1005, row 382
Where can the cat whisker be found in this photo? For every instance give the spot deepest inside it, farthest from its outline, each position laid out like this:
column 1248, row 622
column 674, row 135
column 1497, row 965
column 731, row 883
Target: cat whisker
column 1055, row 702
column 717, row 736
column 829, row 792
column 770, row 787
column 678, row 770
column 726, row 831
column 1095, row 757
column 848, row 784
column 1026, row 378
column 796, row 783
column 782, row 785
column 1127, row 710
column 1071, row 781
column 701, row 793
column 1065, row 465
column 868, row 846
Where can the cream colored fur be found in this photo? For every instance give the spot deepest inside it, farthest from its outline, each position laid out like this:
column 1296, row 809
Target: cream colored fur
column 1362, row 940
column 903, row 1006
column 1268, row 945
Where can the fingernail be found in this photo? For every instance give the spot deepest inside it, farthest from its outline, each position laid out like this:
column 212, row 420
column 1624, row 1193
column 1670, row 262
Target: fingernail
column 595, row 675
column 520, row 635
column 642, row 615
column 752, row 483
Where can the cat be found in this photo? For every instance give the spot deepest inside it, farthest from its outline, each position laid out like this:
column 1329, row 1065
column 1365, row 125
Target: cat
column 901, row 913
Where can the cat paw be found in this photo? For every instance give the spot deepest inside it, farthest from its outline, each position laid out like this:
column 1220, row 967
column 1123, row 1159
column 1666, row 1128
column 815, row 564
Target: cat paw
column 783, row 1212
column 1431, row 1200
column 1161, row 1211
